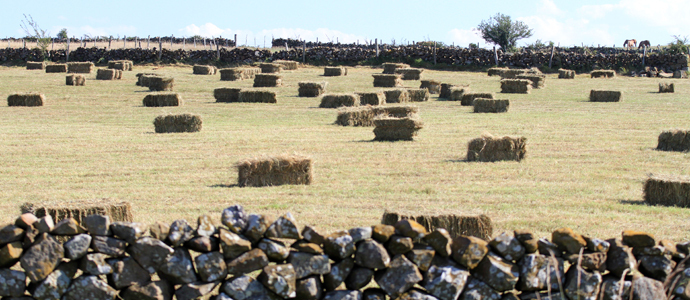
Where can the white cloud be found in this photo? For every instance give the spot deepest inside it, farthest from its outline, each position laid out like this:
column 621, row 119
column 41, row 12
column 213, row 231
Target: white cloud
column 597, row 11
column 463, row 37
column 95, row 31
column 668, row 13
column 206, row 30
column 547, row 7
column 567, row 32
column 247, row 37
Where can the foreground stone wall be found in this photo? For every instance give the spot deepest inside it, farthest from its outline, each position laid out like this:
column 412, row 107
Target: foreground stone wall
column 250, row 256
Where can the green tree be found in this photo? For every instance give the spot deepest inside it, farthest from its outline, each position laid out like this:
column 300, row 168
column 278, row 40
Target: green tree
column 62, row 34
column 680, row 45
column 34, row 31
column 502, row 31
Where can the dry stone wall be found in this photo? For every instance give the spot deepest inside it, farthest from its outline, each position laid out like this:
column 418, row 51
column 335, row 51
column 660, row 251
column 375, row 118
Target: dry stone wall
column 251, row 256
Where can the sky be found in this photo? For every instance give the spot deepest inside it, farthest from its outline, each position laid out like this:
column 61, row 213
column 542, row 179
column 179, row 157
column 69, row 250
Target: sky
column 566, row 23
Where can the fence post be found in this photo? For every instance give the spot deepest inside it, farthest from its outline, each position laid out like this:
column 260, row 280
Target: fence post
column 644, row 55
column 148, row 40
column 194, row 42
column 286, row 46
column 160, row 48
column 124, row 42
column 52, row 44
column 235, row 40
column 495, row 56
column 376, row 41
column 551, row 58
column 434, row 52
column 217, row 51
column 24, row 43
column 304, row 52
column 204, row 43
column 136, row 41
column 172, row 38
column 67, row 51
column 184, row 42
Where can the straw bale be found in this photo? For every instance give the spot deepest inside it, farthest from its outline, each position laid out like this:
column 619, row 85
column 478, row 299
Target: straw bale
column 538, row 81
column 268, row 80
column 75, row 79
column 389, row 68
column 603, row 73
column 270, row 68
column 516, row 86
column 496, row 71
column 397, row 96
column 457, row 92
column 157, row 83
column 468, row 98
column 445, row 90
column 409, row 73
column 35, row 65
column 418, row 95
column 257, row 96
column 396, row 129
column 26, row 99
column 177, row 123
column 80, row 67
column 334, row 71
column 399, row 111
column 566, row 74
column 478, row 226
column 122, row 65
column 287, row 64
column 364, row 115
column 674, row 140
column 203, row 70
column 605, row 96
column 232, row 74
column 276, row 170
column 387, row 80
column 108, row 74
column 311, row 89
column 490, row 149
column 667, row 190
column 666, row 87
column 227, row 94
column 482, row 105
column 372, row 98
column 117, row 211
column 433, row 86
column 513, row 73
column 143, row 78
column 339, row 100
column 56, row 68
column 162, row 99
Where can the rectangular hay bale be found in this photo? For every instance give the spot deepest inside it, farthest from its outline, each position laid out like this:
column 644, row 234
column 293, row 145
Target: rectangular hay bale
column 468, row 98
column 117, row 211
column 26, row 99
column 433, row 86
column 334, row 71
column 482, row 105
column 75, row 80
column 227, row 94
column 233, row 74
column 257, row 96
column 478, row 226
column 389, row 68
column 409, row 73
column 566, row 74
column 122, row 65
column 311, row 89
column 268, row 80
column 339, row 100
column 496, row 71
column 387, row 80
column 274, row 171
column 667, row 190
column 162, row 99
column 143, row 79
column 490, row 149
column 177, row 123
column 108, row 74
column 364, row 115
column 605, row 96
column 35, row 65
column 80, row 67
column 203, row 70
column 396, row 129
column 372, row 98
column 270, row 68
column 603, row 74
column 513, row 73
column 445, row 91
column 665, row 87
column 397, row 96
column 674, row 140
column 56, row 68
column 418, row 95
column 538, row 81
column 516, row 86
column 287, row 64
column 159, row 84
column 456, row 93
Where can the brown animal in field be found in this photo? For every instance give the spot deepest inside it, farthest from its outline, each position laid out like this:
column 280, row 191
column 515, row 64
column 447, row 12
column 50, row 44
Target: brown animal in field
column 630, row 43
column 644, row 43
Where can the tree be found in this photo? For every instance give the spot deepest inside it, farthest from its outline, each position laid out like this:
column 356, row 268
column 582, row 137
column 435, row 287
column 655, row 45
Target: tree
column 62, row 34
column 680, row 45
column 42, row 36
column 502, row 31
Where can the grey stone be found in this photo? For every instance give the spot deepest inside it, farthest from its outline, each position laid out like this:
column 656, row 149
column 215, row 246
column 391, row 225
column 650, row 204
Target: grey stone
column 203, row 244
column 306, row 264
column 194, row 290
column 10, row 254
column 95, row 264
column 311, row 235
column 284, row 228
column 68, row 226
column 89, row 287
column 256, row 227
column 359, row 278
column 307, row 247
column 507, row 246
column 544, row 295
column 567, row 240
column 410, row 228
column 233, row 245
column 592, row 261
column 441, row 241
column 126, row 272
column 381, row 233
column 247, row 288
column 548, row 248
column 128, row 231
column 373, row 294
column 77, row 246
column 475, row 289
column 360, row 233
column 178, row 268
column 279, row 279
column 399, row 277
column 657, row 267
column 647, row 289
column 619, row 258
column 538, row 271
column 422, row 256
column 235, row 218
column 638, row 239
column 657, row 250
column 205, row 226
column 12, row 283
column 25, row 220
column 370, row 254
column 155, row 290
column 343, row 295
column 469, row 251
column 180, row 232
column 159, row 230
column 597, row 245
column 150, row 253
column 249, row 261
column 11, row 233
column 31, row 235
column 97, row 224
column 499, row 274
column 398, row 244
column 582, row 284
column 338, row 274
column 416, row 295
column 222, row 296
column 56, row 283
column 309, row 288
column 107, row 245
column 42, row 258
column 339, row 245
column 276, row 251
column 446, row 283
column 611, row 288
column 45, row 224
column 528, row 240
column 211, row 266
column 682, row 286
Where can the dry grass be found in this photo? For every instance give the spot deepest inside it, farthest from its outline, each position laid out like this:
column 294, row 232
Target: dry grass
column 586, row 166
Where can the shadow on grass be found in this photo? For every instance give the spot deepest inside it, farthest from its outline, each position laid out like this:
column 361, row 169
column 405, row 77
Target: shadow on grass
column 463, row 160
column 633, row 202
column 234, row 185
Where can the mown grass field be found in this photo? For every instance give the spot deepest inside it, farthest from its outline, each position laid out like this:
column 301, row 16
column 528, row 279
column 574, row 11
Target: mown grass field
column 585, row 165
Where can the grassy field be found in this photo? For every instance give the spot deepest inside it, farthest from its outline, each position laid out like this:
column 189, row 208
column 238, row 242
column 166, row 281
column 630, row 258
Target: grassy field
column 585, row 165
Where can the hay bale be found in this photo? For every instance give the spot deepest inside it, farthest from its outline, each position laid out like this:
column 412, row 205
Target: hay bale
column 26, row 99
column 268, row 80
column 468, row 98
column 108, row 74
column 482, row 105
column 445, row 91
column 389, row 68
column 396, row 129
column 143, row 78
column 667, row 190
column 409, row 73
column 666, row 87
column 35, row 65
column 387, row 80
column 478, row 226
column 117, row 211
column 538, row 81
column 605, row 96
column 122, row 65
column 56, row 68
column 489, row 149
column 80, row 67
column 372, row 98
column 227, row 94
column 334, row 71
column 287, row 64
column 339, row 100
column 158, row 83
column 162, row 99
column 674, row 140
column 311, row 89
column 566, row 74
column 273, row 171
column 203, row 70
column 418, row 95
column 364, row 115
column 232, row 74
column 603, row 74
column 177, row 123
column 433, row 86
column 496, row 71
column 513, row 73
column 75, row 80
column 270, row 68
column 397, row 96
column 257, row 96
column 516, row 86
column 399, row 111
column 456, row 93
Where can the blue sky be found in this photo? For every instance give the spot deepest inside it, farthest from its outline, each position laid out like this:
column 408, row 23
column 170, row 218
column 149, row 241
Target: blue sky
column 452, row 22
